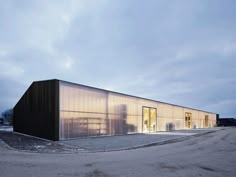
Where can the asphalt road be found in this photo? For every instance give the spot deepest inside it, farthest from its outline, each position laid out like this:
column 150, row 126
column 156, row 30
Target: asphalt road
column 211, row 155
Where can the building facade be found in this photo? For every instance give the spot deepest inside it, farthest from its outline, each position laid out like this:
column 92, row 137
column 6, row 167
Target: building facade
column 59, row 110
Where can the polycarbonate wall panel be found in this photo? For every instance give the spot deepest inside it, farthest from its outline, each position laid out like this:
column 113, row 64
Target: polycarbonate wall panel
column 179, row 123
column 86, row 111
column 124, row 112
column 178, row 112
column 83, row 111
column 201, row 119
column 212, row 120
column 169, row 117
column 165, row 111
column 77, row 124
column 75, row 98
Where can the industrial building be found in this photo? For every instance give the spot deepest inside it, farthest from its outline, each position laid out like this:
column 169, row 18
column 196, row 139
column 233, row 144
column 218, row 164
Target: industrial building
column 59, row 110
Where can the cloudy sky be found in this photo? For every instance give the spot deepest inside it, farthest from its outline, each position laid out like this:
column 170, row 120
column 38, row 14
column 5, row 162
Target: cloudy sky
column 181, row 52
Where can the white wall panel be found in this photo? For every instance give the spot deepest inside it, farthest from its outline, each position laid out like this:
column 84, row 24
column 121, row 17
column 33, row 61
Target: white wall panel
column 86, row 111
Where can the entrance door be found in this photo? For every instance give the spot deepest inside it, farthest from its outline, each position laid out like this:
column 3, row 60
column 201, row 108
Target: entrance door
column 188, row 121
column 149, row 119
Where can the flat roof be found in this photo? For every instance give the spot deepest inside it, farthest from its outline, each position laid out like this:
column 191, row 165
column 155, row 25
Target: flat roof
column 126, row 95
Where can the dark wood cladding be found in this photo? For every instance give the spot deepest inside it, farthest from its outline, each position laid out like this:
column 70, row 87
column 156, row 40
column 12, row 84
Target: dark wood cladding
column 37, row 112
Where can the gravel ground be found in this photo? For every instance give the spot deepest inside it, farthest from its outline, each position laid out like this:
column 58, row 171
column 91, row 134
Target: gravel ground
column 31, row 144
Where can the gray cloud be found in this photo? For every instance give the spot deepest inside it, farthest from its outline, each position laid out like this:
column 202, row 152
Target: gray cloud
column 181, row 53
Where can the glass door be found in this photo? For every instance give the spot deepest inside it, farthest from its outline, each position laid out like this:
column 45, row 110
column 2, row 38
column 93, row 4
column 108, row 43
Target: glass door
column 153, row 119
column 149, row 119
column 188, row 121
column 146, row 123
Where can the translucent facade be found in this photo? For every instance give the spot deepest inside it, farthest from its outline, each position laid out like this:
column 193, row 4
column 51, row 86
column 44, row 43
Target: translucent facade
column 87, row 111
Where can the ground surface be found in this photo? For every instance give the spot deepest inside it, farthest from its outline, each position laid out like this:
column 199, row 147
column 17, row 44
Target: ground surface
column 95, row 144
column 131, row 141
column 211, row 155
column 31, row 144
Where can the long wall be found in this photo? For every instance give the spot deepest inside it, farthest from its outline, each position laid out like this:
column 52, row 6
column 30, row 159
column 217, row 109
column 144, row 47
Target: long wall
column 87, row 111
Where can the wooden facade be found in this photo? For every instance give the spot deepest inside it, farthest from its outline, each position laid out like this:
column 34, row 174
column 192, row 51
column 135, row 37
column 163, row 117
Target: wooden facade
column 37, row 112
